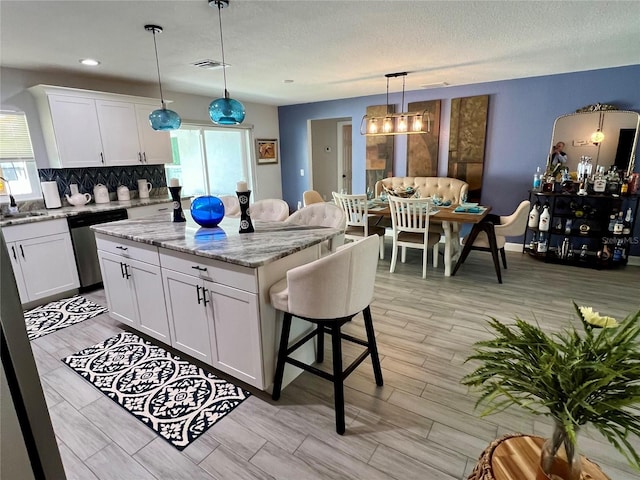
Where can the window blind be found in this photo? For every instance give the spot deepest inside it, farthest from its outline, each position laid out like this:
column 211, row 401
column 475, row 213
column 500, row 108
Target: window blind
column 15, row 141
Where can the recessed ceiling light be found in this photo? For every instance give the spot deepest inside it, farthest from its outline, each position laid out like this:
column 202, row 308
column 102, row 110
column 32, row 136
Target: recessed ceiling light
column 89, row 62
column 287, row 81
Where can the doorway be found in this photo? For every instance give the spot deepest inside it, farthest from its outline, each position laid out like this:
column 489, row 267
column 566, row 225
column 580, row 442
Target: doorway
column 330, row 156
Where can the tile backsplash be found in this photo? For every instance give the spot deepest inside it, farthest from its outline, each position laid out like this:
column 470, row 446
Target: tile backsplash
column 112, row 177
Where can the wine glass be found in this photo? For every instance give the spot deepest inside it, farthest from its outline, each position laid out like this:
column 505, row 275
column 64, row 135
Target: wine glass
column 369, row 193
column 463, row 198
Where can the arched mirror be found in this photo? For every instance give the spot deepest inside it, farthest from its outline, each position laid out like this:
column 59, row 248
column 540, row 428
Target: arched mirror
column 617, row 147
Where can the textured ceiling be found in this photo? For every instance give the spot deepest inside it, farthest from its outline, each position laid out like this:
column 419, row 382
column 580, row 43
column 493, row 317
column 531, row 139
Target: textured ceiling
column 330, row 49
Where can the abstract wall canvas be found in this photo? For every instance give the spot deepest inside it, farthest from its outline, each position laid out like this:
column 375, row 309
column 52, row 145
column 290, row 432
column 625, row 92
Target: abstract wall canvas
column 467, row 138
column 422, row 148
column 379, row 150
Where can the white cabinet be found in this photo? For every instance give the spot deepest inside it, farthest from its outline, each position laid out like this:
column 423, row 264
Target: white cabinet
column 42, row 259
column 154, row 145
column 133, row 285
column 72, row 133
column 189, row 320
column 149, row 210
column 213, row 313
column 235, row 332
column 119, row 132
column 84, row 128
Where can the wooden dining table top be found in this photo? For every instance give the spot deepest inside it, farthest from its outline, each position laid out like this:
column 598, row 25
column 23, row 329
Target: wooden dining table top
column 444, row 214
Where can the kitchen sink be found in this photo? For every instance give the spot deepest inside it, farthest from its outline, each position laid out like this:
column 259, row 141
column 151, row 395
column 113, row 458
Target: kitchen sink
column 22, row 215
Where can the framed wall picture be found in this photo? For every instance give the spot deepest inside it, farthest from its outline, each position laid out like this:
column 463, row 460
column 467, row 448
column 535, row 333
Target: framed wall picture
column 267, row 151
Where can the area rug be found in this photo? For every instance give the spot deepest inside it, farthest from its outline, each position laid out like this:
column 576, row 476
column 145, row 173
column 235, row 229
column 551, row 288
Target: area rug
column 57, row 315
column 175, row 398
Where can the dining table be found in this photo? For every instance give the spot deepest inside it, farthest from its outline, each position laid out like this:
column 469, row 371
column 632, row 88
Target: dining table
column 450, row 219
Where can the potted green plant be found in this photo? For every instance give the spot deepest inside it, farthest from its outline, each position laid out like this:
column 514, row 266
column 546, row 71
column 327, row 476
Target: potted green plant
column 592, row 377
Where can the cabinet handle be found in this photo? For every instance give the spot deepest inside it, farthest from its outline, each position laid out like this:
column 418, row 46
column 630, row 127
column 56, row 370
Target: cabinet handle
column 198, row 294
column 163, row 209
column 204, row 296
column 199, row 268
column 13, row 249
column 144, row 155
column 102, row 157
column 119, row 247
column 122, row 269
column 139, row 157
column 126, row 271
column 22, row 252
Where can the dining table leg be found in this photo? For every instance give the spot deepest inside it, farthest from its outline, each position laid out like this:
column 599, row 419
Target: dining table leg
column 446, row 227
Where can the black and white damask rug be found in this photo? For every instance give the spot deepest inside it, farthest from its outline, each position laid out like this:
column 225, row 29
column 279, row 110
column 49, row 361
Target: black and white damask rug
column 57, row 315
column 176, row 399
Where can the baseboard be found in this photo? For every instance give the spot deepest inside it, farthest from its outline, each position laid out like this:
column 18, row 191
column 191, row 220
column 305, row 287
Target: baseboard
column 517, row 247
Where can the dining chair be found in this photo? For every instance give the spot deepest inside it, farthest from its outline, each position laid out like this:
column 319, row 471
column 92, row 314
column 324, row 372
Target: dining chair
column 410, row 223
column 311, row 196
column 480, row 237
column 321, row 215
column 269, row 210
column 231, row 205
column 329, row 292
column 357, row 213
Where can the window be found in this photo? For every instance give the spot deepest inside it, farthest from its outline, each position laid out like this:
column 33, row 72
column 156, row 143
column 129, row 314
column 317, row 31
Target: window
column 210, row 160
column 17, row 162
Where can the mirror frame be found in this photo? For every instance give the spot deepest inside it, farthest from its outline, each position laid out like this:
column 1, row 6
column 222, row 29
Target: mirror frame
column 631, row 162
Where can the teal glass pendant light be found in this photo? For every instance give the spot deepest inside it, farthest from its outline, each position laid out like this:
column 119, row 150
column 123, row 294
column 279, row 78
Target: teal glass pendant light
column 225, row 110
column 162, row 118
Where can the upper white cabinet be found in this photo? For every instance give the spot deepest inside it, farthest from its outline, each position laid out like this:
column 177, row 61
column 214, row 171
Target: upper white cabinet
column 83, row 128
column 155, row 146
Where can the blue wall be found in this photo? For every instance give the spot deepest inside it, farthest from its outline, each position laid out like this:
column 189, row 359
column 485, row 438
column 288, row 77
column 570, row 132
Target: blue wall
column 521, row 116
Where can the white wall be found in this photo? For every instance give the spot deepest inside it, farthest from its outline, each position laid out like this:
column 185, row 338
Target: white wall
column 263, row 118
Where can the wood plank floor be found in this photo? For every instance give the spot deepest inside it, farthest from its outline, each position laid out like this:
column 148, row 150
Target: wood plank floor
column 420, row 425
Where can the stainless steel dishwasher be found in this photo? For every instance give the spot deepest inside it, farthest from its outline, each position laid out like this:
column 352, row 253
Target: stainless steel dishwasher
column 84, row 243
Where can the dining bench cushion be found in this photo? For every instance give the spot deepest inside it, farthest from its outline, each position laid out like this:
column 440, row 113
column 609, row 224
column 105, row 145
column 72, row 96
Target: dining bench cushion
column 447, row 188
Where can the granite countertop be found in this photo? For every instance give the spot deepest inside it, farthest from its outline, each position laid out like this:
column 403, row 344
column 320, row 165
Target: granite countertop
column 41, row 215
column 269, row 242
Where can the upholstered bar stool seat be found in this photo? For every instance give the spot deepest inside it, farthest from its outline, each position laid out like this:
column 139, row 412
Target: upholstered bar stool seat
column 269, row 210
column 328, row 293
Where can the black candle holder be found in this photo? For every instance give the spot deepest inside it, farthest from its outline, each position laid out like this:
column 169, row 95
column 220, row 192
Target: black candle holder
column 178, row 214
column 245, row 220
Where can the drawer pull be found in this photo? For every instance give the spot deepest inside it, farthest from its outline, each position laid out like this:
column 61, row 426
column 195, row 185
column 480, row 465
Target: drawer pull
column 120, row 247
column 199, row 268
column 198, row 294
column 163, row 209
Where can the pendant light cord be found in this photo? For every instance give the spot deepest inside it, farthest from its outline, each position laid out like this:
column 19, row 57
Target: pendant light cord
column 402, row 104
column 387, row 95
column 155, row 46
column 224, row 65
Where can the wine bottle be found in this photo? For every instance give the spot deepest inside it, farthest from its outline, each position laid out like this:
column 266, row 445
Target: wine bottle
column 626, row 224
column 545, row 218
column 534, row 216
column 619, row 225
column 537, row 180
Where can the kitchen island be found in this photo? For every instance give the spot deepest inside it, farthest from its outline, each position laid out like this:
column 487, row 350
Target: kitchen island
column 206, row 291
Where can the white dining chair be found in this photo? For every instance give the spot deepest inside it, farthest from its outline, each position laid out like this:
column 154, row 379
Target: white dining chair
column 231, row 205
column 410, row 223
column 357, row 214
column 269, row 210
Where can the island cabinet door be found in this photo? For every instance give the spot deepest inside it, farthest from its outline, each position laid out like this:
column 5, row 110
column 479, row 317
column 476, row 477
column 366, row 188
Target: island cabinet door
column 235, row 333
column 146, row 280
column 117, row 288
column 188, row 317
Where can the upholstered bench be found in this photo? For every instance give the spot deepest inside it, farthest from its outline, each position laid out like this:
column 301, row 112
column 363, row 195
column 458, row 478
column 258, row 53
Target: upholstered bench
column 444, row 187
